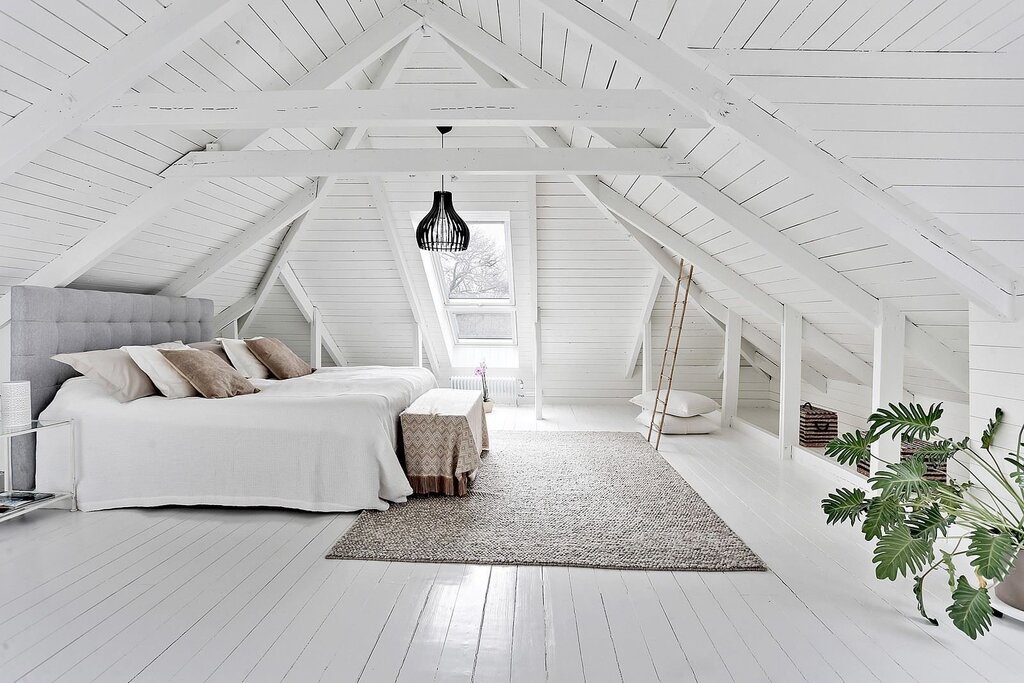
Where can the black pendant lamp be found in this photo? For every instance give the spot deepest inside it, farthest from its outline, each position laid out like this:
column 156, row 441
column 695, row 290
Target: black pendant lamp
column 442, row 229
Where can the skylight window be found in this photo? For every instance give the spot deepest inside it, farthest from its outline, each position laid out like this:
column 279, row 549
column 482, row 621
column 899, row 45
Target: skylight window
column 476, row 286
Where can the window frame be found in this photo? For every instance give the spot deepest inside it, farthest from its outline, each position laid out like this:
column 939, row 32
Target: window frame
column 452, row 306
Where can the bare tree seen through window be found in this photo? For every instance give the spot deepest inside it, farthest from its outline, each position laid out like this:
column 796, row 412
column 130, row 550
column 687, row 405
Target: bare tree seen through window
column 480, row 272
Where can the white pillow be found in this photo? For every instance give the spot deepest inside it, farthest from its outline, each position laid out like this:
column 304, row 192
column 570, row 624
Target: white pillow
column 243, row 359
column 680, row 403
column 679, row 425
column 166, row 379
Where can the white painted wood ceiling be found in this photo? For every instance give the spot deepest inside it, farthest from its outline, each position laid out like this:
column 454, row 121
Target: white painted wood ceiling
column 863, row 79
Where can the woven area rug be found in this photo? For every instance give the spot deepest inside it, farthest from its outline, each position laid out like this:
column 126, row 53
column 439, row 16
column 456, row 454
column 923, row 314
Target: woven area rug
column 580, row 499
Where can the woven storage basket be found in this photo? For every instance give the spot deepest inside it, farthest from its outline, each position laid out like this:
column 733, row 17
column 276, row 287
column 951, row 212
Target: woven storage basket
column 936, row 471
column 817, row 426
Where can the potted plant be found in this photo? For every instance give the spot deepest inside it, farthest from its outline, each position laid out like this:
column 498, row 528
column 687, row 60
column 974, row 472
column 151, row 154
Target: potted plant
column 921, row 525
column 481, row 372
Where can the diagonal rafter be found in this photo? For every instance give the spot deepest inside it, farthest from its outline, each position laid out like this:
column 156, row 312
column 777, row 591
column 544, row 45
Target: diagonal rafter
column 104, row 240
column 488, row 57
column 138, row 54
column 685, row 77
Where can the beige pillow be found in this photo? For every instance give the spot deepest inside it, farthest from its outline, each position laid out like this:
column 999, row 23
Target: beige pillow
column 163, row 374
column 114, row 369
column 211, row 376
column 680, row 403
column 243, row 360
column 214, row 346
column 697, row 424
column 281, row 360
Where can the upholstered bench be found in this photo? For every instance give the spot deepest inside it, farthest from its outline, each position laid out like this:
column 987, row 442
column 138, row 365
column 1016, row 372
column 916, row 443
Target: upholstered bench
column 444, row 434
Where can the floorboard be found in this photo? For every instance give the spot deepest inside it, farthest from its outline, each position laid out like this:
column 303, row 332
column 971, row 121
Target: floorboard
column 179, row 594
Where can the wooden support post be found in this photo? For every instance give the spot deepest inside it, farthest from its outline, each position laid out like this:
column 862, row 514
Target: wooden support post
column 646, row 369
column 731, row 370
column 538, row 377
column 233, row 329
column 316, row 339
column 789, row 385
column 417, row 357
column 887, row 384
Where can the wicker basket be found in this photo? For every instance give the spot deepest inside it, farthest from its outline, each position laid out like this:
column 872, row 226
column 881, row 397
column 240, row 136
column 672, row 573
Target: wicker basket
column 936, row 471
column 817, row 426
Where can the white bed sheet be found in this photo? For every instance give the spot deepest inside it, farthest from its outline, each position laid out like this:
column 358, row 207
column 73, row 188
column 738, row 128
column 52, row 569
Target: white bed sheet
column 325, row 442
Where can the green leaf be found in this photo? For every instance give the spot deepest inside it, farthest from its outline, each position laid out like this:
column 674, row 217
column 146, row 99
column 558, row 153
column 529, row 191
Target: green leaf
column 909, row 421
column 919, row 594
column 989, row 435
column 883, row 513
column 1017, row 473
column 991, row 553
column 897, row 553
column 844, row 505
column 851, row 448
column 947, row 560
column 902, row 479
column 938, row 451
column 928, row 522
column 971, row 610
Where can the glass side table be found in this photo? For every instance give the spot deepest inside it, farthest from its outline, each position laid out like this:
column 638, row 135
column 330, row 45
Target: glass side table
column 17, row 503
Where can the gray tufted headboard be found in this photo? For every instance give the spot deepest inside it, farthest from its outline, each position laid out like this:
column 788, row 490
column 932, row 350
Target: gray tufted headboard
column 47, row 321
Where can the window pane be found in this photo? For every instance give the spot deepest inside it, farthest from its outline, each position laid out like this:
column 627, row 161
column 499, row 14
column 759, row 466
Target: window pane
column 480, row 272
column 483, row 326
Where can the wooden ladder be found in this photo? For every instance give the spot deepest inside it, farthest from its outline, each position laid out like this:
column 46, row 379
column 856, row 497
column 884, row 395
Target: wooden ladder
column 676, row 328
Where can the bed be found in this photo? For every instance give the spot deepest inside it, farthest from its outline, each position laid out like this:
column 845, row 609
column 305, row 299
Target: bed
column 324, row 442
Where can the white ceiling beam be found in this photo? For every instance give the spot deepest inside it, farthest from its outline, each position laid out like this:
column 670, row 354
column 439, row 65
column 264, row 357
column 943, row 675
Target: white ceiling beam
column 380, row 200
column 486, row 56
column 305, row 305
column 104, row 240
column 134, row 57
column 785, row 250
column 274, row 269
column 233, row 312
column 764, row 348
column 377, row 162
column 501, row 58
column 685, row 76
column 645, row 317
column 227, row 254
column 383, row 108
column 307, row 199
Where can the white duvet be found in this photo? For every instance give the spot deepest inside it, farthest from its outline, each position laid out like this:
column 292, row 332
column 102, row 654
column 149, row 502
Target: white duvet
column 325, row 442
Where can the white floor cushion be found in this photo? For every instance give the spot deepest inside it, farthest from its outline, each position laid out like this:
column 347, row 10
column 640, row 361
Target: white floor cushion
column 697, row 424
column 680, row 403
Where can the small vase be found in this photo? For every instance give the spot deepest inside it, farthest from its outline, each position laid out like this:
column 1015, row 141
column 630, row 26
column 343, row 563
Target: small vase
column 488, row 406
column 1011, row 589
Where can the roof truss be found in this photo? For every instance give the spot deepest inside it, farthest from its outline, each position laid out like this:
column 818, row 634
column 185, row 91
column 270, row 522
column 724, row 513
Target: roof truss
column 685, row 77
column 406, row 107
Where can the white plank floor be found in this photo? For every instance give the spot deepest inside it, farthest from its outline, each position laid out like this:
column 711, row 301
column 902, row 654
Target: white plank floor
column 227, row 595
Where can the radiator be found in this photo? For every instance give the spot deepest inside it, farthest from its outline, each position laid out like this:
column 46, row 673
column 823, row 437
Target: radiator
column 503, row 390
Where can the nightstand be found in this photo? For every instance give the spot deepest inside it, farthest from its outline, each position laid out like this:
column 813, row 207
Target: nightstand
column 16, row 503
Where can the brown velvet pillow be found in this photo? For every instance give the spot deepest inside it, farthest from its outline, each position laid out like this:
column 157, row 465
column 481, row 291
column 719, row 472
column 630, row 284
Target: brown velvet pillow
column 211, row 376
column 214, row 346
column 279, row 359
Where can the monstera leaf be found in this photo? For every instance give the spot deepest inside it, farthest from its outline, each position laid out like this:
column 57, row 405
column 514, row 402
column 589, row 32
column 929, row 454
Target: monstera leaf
column 883, row 514
column 988, row 437
column 902, row 479
column 845, row 505
column 991, row 553
column 911, row 422
column 897, row 553
column 928, row 522
column 851, row 448
column 919, row 594
column 971, row 610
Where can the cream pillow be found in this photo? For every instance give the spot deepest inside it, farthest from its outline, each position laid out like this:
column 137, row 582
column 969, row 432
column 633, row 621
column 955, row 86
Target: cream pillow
column 697, row 424
column 243, row 359
column 168, row 380
column 114, row 369
column 680, row 403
